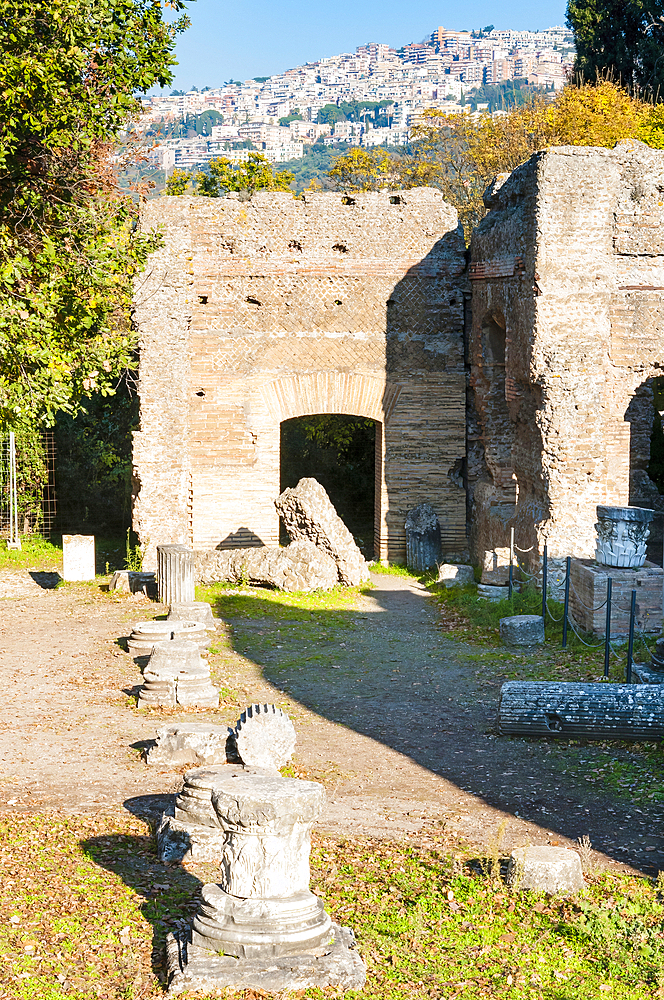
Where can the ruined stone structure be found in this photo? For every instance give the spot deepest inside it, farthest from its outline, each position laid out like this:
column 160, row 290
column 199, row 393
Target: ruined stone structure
column 254, row 312
column 567, row 271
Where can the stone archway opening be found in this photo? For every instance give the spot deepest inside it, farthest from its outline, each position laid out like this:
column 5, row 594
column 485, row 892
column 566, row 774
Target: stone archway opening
column 338, row 450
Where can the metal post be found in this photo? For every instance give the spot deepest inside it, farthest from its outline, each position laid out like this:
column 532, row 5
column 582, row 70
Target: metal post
column 607, row 637
column 511, row 581
column 544, row 572
column 14, row 540
column 567, row 573
column 630, row 645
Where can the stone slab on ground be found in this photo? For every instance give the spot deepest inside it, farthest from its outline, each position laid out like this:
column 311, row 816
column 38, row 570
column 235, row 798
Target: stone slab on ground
column 300, row 566
column 337, row 964
column 195, row 743
column 550, row 869
column 308, row 514
column 455, row 575
column 496, row 567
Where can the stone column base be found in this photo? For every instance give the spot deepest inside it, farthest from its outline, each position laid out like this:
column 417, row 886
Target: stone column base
column 259, row 928
column 337, row 963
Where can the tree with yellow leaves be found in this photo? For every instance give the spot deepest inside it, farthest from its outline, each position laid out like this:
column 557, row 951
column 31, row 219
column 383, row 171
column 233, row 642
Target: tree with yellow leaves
column 461, row 153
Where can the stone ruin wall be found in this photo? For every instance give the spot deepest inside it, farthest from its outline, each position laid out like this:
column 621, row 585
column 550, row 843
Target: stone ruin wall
column 567, row 272
column 257, row 311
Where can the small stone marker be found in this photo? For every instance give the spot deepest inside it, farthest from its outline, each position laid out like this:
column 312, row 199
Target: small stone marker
column 176, row 674
column 78, row 558
column 455, row 575
column 522, row 630
column 265, row 737
column 551, row 869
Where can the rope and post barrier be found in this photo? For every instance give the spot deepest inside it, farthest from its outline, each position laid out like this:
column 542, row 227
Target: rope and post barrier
column 607, row 636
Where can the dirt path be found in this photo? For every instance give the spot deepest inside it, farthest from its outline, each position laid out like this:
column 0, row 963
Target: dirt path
column 387, row 710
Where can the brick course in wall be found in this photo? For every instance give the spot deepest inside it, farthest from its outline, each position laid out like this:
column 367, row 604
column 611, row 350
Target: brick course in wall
column 254, row 312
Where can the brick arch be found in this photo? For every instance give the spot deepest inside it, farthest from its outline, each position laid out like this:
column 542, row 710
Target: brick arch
column 330, row 392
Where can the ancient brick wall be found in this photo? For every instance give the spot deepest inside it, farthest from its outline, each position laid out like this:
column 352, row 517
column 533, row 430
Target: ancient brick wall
column 567, row 271
column 257, row 311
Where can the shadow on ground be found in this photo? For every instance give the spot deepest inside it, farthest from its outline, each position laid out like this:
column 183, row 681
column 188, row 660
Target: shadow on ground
column 390, row 674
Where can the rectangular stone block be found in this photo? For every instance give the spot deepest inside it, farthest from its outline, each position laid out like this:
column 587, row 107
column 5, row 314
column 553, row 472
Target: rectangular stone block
column 588, row 587
column 78, row 557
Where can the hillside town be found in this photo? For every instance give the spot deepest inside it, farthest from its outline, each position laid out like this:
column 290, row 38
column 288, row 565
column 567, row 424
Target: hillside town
column 372, row 97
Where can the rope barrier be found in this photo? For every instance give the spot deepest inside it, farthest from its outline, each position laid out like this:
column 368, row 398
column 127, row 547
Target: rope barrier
column 588, row 607
column 590, row 645
column 552, row 616
column 524, row 550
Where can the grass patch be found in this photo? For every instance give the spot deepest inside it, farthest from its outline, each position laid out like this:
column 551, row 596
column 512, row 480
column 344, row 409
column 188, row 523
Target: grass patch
column 231, row 600
column 35, row 553
column 87, row 907
column 467, row 617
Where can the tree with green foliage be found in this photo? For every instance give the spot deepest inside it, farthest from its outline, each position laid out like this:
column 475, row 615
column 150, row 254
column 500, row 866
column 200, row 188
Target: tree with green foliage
column 69, row 245
column 253, row 174
column 622, row 40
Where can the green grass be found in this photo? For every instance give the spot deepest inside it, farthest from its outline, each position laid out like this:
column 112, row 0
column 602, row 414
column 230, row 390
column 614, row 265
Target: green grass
column 86, row 907
column 476, row 621
column 252, row 602
column 35, row 553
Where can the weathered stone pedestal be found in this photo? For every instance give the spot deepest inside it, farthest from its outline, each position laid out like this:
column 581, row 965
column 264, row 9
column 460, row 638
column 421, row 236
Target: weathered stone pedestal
column 522, row 630
column 175, row 574
column 263, row 912
column 588, row 591
column 422, row 538
column 176, row 674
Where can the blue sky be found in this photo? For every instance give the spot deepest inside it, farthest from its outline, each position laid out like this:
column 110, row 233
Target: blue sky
column 261, row 37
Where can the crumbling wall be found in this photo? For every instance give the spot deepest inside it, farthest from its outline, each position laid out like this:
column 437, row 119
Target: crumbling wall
column 257, row 311
column 571, row 260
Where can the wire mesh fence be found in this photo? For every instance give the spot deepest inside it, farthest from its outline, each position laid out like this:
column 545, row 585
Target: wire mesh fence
column 28, row 501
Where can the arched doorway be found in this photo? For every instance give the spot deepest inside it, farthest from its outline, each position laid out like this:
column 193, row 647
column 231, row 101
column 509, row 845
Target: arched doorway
column 338, row 450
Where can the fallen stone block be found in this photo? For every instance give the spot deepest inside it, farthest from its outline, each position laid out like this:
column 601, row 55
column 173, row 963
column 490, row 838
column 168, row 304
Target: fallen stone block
column 455, row 575
column 522, row 630
column 550, row 869
column 300, row 566
column 496, row 567
column 586, row 711
column 490, row 593
column 309, row 515
column 130, row 582
column 189, row 743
